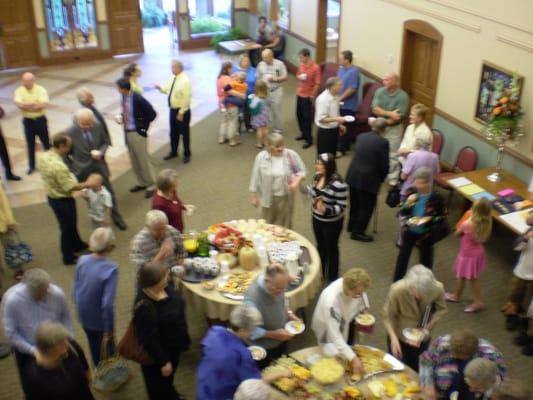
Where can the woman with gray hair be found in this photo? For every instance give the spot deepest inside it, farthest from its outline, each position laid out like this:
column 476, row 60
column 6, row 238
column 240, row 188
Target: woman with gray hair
column 482, row 377
column 59, row 369
column 416, row 301
column 226, row 361
column 276, row 176
column 424, row 213
column 95, row 286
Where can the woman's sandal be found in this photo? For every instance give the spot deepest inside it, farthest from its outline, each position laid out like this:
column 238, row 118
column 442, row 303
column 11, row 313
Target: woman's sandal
column 472, row 308
column 451, row 298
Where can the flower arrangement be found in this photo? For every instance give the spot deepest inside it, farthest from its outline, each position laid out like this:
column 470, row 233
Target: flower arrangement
column 505, row 126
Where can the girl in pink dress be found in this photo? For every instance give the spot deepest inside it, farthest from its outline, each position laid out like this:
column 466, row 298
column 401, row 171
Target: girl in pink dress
column 474, row 231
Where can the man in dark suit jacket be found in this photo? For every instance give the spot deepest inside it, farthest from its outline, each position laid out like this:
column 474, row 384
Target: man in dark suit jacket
column 86, row 99
column 137, row 114
column 87, row 154
column 368, row 169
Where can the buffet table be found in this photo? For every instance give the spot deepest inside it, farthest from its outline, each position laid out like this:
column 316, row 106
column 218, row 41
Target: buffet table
column 214, row 305
column 329, row 391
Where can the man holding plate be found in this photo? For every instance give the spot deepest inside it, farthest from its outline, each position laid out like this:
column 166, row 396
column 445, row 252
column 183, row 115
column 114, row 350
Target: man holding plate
column 338, row 306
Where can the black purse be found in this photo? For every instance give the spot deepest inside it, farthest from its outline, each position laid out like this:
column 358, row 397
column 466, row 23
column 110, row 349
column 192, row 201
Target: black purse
column 438, row 232
column 393, row 197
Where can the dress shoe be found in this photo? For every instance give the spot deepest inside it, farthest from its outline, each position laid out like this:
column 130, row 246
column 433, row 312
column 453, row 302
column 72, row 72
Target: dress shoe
column 186, row 160
column 137, row 188
column 361, row 237
column 29, row 171
column 169, row 156
column 307, row 145
column 521, row 339
column 119, row 223
column 149, row 193
column 528, row 348
column 13, row 177
column 512, row 322
column 300, row 138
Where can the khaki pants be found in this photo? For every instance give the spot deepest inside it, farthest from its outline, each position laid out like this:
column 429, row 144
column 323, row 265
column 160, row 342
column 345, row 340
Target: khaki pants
column 229, row 124
column 277, row 108
column 394, row 136
column 140, row 159
column 280, row 211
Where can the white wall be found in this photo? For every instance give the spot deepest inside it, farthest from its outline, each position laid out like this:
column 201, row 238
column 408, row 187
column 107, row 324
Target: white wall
column 304, row 17
column 473, row 31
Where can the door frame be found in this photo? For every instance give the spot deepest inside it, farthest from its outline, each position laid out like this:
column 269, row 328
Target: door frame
column 322, row 26
column 427, row 30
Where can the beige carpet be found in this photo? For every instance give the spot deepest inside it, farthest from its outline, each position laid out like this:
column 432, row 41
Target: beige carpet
column 216, row 181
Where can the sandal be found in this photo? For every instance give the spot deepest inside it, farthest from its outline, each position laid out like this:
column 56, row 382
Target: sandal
column 451, row 298
column 472, row 308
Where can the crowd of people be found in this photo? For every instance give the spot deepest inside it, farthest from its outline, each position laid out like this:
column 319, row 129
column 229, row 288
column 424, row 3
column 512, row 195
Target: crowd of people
column 36, row 317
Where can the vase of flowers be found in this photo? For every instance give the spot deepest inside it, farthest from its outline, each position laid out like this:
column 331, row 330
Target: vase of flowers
column 505, row 126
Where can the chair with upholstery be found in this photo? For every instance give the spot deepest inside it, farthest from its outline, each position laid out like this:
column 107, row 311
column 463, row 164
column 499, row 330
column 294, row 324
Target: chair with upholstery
column 327, row 70
column 438, row 142
column 466, row 161
column 365, row 108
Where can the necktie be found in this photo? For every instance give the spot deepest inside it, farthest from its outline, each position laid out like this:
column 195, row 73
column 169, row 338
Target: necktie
column 89, row 139
column 170, row 91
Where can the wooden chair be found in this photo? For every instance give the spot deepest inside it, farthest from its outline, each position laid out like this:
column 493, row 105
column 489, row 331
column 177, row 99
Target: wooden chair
column 466, row 161
column 438, row 142
column 365, row 108
column 327, row 70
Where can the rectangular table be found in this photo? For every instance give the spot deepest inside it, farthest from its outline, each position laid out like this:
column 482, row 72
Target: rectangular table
column 238, row 46
column 479, row 177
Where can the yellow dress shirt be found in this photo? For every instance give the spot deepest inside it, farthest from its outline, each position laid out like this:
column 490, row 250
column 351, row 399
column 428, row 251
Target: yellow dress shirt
column 181, row 92
column 37, row 94
column 6, row 214
column 57, row 178
column 135, row 87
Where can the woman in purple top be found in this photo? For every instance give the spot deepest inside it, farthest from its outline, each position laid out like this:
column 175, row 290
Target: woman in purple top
column 421, row 157
column 95, row 285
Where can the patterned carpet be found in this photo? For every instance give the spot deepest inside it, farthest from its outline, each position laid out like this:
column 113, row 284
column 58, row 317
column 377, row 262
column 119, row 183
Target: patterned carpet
column 216, row 181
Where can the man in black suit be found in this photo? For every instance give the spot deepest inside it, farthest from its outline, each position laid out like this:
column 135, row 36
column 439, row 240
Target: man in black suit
column 137, row 114
column 86, row 99
column 368, row 169
column 87, row 154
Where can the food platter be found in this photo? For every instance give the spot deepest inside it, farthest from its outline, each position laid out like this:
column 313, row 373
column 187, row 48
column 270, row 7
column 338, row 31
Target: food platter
column 375, row 361
column 235, row 285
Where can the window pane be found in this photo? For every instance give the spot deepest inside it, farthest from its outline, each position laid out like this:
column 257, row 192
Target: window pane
column 283, row 13
column 59, row 34
column 262, row 8
column 84, row 24
column 209, row 16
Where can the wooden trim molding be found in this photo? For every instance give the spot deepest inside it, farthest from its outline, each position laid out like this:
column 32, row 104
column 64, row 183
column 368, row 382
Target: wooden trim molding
column 501, row 37
column 430, row 13
column 370, row 74
column 241, row 9
column 477, row 133
column 490, row 18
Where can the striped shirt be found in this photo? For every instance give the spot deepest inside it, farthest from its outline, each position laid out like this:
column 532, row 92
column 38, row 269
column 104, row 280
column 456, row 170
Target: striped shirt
column 144, row 247
column 275, row 70
column 334, row 196
column 438, row 366
column 23, row 315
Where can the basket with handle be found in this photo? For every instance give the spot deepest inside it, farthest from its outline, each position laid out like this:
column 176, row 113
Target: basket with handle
column 112, row 371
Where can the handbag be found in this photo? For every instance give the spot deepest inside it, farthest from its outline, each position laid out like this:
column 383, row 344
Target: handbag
column 438, row 232
column 393, row 197
column 129, row 346
column 17, row 253
column 112, row 371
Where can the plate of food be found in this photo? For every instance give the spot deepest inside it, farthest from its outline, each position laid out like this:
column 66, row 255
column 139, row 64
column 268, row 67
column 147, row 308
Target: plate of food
column 415, row 334
column 418, row 221
column 295, row 327
column 258, row 353
column 375, row 361
column 235, row 285
column 296, row 383
column 365, row 322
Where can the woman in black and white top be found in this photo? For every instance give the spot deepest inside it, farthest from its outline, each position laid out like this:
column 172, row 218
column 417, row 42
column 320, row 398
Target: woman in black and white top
column 330, row 194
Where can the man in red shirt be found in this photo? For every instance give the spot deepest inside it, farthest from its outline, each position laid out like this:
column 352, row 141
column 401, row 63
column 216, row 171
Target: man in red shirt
column 308, row 75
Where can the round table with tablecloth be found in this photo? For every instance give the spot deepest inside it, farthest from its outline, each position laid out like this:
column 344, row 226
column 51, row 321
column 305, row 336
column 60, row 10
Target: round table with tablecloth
column 216, row 306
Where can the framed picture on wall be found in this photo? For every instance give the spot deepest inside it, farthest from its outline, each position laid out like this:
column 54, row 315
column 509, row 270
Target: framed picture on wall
column 494, row 81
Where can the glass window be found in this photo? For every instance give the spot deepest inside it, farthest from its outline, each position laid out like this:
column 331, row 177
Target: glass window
column 283, row 13
column 71, row 24
column 262, row 8
column 209, row 16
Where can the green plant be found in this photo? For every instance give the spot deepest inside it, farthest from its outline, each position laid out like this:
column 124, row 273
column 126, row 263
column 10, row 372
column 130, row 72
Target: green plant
column 230, row 34
column 153, row 16
column 206, row 25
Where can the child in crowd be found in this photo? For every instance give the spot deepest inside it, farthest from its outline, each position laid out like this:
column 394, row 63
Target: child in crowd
column 522, row 283
column 99, row 202
column 474, row 229
column 239, row 87
column 260, row 110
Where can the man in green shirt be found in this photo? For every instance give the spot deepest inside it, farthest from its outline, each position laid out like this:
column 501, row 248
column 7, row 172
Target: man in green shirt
column 59, row 183
column 392, row 103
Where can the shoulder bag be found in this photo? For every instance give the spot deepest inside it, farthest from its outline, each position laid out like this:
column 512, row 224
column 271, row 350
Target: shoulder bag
column 129, row 346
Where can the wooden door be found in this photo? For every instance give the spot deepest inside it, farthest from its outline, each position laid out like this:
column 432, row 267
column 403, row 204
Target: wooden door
column 17, row 35
column 420, row 64
column 125, row 26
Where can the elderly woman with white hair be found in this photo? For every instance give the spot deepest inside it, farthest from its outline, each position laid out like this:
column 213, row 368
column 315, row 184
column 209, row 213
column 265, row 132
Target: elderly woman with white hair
column 421, row 157
column 424, row 213
column 276, row 176
column 226, row 361
column 157, row 241
column 95, row 286
column 416, row 301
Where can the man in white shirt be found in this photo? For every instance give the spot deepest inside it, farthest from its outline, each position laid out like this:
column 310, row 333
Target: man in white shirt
column 273, row 72
column 327, row 117
column 337, row 307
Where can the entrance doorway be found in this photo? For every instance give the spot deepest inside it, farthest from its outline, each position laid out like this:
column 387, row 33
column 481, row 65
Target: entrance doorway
column 17, row 34
column 419, row 75
column 160, row 32
column 329, row 13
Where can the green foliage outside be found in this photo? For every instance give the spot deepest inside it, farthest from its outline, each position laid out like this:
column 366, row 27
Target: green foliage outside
column 206, row 24
column 153, row 16
column 230, row 34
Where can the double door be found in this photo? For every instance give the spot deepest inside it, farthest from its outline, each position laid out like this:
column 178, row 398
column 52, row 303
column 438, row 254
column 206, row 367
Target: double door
column 17, row 34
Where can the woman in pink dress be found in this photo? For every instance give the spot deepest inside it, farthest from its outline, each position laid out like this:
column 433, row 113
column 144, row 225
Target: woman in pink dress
column 474, row 230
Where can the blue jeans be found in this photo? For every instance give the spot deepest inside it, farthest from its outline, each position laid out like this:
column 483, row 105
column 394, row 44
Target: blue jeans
column 95, row 344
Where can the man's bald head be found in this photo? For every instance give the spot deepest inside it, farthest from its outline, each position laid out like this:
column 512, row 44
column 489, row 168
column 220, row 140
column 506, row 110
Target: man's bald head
column 27, row 80
column 84, row 118
column 390, row 80
column 85, row 96
column 267, row 56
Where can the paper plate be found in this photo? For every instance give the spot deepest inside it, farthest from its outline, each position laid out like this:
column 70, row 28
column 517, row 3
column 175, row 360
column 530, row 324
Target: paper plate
column 295, row 327
column 349, row 118
column 258, row 353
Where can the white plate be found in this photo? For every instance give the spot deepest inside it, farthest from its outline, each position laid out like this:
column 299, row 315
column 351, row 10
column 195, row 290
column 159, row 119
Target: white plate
column 221, row 282
column 349, row 118
column 258, row 353
column 292, row 329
